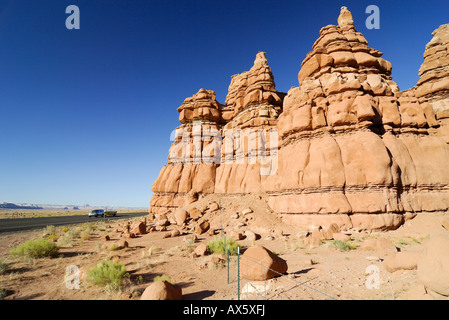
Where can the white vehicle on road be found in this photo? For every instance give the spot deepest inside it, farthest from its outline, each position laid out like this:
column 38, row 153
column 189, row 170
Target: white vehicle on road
column 96, row 213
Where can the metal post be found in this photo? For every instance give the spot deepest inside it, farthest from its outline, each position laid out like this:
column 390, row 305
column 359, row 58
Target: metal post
column 227, row 253
column 238, row 273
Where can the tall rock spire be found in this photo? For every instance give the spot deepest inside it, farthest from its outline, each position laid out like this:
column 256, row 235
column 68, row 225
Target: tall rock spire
column 357, row 142
column 345, row 19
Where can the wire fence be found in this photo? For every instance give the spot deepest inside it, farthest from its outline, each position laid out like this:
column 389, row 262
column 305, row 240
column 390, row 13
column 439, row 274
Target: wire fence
column 281, row 287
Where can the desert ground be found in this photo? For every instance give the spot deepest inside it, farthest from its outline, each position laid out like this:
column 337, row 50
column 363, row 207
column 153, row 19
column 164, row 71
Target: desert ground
column 315, row 270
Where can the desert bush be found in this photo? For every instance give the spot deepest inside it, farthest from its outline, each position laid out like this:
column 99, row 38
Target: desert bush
column 35, row 249
column 53, row 237
column 48, row 230
column 85, row 235
column 3, row 267
column 219, row 246
column 2, row 293
column 67, row 238
column 163, row 277
column 109, row 274
column 343, row 245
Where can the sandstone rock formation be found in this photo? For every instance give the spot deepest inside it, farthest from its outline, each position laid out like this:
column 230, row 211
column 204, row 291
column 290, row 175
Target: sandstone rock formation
column 433, row 84
column 354, row 149
column 345, row 147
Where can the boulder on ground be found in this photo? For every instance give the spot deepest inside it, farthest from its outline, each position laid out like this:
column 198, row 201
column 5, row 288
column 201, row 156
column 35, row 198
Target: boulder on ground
column 195, row 213
column 250, row 235
column 258, row 264
column 202, row 227
column 401, row 261
column 433, row 264
column 213, row 207
column 236, row 235
column 181, row 216
column 138, row 228
column 120, row 244
column 162, row 290
column 201, row 249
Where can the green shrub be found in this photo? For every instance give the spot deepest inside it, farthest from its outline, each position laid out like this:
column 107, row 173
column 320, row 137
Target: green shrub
column 66, row 240
column 3, row 267
column 219, row 246
column 3, row 293
column 163, row 277
column 343, row 245
column 48, row 230
column 35, row 249
column 85, row 235
column 108, row 273
column 53, row 237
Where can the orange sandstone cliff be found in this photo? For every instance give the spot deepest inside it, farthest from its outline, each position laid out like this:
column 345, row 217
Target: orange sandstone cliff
column 345, row 146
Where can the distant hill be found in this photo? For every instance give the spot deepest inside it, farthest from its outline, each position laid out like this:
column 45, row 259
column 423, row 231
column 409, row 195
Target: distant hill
column 22, row 206
column 7, row 205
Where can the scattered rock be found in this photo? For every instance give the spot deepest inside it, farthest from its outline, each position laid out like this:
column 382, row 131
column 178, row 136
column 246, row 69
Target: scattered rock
column 162, row 290
column 314, row 239
column 258, row 263
column 195, row 213
column 328, row 231
column 191, row 237
column 118, row 245
column 162, row 222
column 236, row 235
column 401, row 261
column 250, row 235
column 213, row 207
column 202, row 227
column 138, row 228
column 201, row 250
column 433, row 264
column 247, row 211
column 175, row 233
column 130, row 235
column 166, row 235
column 181, row 216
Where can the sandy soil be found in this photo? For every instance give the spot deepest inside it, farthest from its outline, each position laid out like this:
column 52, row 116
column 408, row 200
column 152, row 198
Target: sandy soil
column 320, row 272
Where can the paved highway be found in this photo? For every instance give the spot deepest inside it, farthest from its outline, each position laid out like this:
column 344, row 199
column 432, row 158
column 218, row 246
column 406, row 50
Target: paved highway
column 20, row 224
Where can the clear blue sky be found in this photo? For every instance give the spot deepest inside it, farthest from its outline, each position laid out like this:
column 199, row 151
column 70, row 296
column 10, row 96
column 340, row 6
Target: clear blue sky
column 86, row 115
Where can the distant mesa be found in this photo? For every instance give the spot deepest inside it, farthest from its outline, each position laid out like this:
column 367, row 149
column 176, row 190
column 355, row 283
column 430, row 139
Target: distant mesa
column 350, row 147
column 7, row 205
